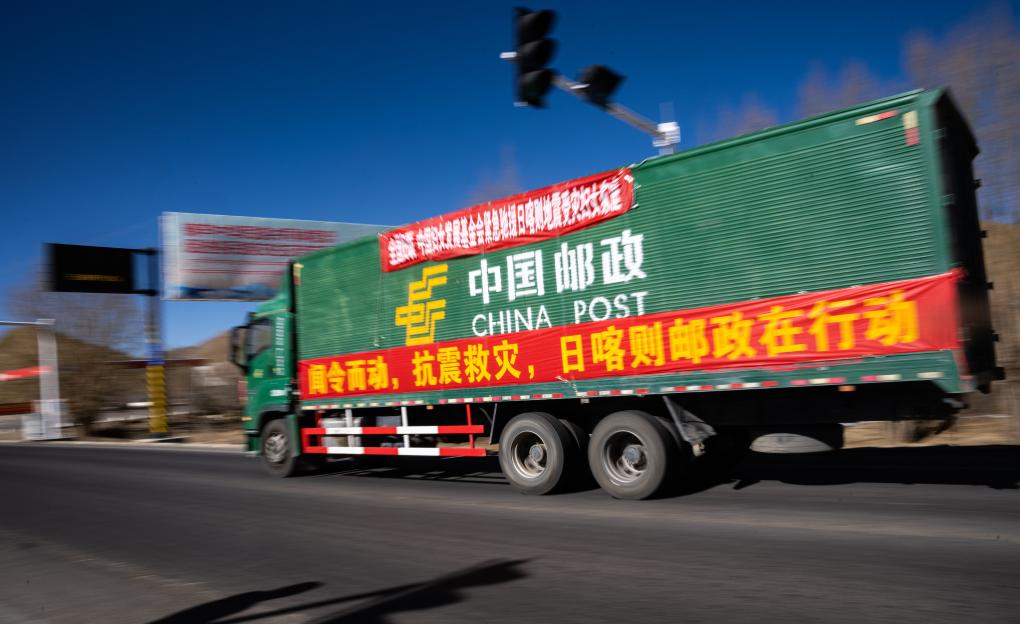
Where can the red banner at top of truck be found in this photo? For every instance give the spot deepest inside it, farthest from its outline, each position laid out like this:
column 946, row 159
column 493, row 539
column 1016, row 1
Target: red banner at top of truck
column 518, row 220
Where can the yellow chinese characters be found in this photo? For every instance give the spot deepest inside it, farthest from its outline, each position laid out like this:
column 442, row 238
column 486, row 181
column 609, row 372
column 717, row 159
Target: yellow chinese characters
column 687, row 341
column 646, row 345
column 572, row 353
column 476, row 363
column 505, row 354
column 424, row 370
column 738, row 335
column 378, row 373
column 891, row 319
column 606, row 348
column 357, row 375
column 824, row 315
column 449, row 365
column 731, row 336
column 780, row 334
column 452, row 366
column 317, row 379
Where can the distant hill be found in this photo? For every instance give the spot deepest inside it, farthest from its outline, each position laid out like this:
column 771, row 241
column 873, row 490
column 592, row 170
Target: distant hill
column 19, row 349
column 215, row 349
column 211, row 387
column 99, row 373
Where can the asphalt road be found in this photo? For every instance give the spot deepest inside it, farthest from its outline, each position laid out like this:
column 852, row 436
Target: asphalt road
column 176, row 536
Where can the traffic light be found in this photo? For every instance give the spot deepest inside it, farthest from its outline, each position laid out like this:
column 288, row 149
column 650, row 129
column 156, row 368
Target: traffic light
column 598, row 84
column 533, row 53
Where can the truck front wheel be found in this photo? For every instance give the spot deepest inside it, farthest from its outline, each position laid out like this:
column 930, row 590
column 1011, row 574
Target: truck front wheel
column 535, row 451
column 278, row 451
column 630, row 454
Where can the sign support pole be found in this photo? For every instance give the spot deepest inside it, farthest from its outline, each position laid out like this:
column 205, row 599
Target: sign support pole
column 155, row 372
column 49, row 381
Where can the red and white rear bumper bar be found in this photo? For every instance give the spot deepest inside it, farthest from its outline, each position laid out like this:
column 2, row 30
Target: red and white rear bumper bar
column 455, row 451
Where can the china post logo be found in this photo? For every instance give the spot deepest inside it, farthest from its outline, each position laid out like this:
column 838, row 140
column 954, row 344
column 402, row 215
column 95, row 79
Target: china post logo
column 421, row 313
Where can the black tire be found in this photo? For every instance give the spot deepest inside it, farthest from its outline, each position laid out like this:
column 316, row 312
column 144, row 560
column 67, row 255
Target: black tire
column 579, row 475
column 631, row 454
column 278, row 451
column 579, row 435
column 536, row 452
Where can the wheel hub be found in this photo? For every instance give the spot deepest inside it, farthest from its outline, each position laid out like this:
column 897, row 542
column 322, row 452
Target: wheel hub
column 633, row 455
column 529, row 455
column 624, row 457
column 276, row 448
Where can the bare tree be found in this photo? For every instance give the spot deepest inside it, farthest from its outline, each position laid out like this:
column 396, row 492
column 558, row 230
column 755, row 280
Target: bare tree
column 980, row 61
column 93, row 331
column 111, row 321
column 853, row 84
column 750, row 115
column 504, row 183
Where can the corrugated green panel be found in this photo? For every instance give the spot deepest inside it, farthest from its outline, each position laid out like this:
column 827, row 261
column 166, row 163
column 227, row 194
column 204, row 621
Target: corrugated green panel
column 815, row 205
column 338, row 295
column 828, row 214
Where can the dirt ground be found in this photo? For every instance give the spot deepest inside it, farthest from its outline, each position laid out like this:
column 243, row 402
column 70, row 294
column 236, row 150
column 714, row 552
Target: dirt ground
column 966, row 431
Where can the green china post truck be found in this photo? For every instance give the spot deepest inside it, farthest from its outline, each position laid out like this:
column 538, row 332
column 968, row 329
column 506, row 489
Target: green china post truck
column 648, row 323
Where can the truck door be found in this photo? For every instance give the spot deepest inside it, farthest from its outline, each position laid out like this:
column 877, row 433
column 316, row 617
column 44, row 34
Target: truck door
column 268, row 373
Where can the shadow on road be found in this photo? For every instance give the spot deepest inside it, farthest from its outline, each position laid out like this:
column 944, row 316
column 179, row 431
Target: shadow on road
column 464, row 469
column 991, row 466
column 996, row 467
column 214, row 611
column 443, row 590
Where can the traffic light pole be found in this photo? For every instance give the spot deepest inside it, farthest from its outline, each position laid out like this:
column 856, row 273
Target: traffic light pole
column 665, row 135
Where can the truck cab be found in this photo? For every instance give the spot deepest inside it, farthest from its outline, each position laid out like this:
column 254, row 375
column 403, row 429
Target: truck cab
column 262, row 349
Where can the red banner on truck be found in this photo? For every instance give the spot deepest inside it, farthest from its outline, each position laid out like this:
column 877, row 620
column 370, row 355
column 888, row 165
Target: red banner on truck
column 518, row 220
column 879, row 319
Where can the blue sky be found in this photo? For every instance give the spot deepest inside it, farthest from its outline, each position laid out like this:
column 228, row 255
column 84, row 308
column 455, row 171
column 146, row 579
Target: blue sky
column 366, row 112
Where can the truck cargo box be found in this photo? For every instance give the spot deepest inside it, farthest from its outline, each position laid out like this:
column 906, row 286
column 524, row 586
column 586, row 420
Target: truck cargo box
column 842, row 249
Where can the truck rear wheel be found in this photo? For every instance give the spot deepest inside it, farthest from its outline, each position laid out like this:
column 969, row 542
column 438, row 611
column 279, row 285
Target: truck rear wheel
column 631, row 454
column 278, row 451
column 535, row 452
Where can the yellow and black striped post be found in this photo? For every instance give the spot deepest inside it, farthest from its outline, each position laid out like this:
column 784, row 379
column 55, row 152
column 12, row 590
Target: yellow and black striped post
column 155, row 374
column 155, row 378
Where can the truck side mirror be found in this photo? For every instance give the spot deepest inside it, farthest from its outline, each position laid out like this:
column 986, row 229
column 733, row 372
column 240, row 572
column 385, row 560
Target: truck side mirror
column 238, row 357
